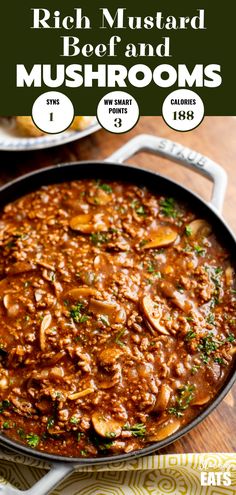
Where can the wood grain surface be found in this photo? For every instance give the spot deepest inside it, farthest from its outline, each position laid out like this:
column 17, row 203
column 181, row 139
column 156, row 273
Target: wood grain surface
column 216, row 138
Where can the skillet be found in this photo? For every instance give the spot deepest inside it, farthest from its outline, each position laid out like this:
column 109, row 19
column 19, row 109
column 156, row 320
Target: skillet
column 113, row 169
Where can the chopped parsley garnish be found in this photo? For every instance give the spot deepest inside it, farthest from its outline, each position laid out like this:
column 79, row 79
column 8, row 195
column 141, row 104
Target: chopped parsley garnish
column 76, row 315
column 208, row 345
column 106, row 188
column 106, row 445
column 84, row 453
column 141, row 210
column 111, row 434
column 189, row 318
column 219, row 360
column 101, row 444
column 199, row 250
column 190, row 335
column 21, row 433
column 134, row 203
column 6, row 425
column 32, row 440
column 74, row 420
column 99, row 238
column 230, row 338
column 188, row 231
column 215, row 278
column 4, row 404
column 168, row 207
column 83, row 318
column 80, row 434
column 210, row 319
column 150, row 268
column 50, row 423
column 104, row 319
column 143, row 242
column 10, row 244
column 119, row 335
column 183, row 400
column 137, row 430
column 195, row 369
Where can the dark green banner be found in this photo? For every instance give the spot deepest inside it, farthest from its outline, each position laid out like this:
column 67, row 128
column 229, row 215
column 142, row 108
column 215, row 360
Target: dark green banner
column 86, row 49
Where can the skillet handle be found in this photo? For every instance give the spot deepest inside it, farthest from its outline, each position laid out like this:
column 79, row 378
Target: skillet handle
column 180, row 154
column 45, row 485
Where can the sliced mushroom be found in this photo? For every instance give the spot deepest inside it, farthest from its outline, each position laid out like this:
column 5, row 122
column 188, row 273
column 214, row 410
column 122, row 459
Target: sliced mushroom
column 164, row 236
column 81, row 292
column 41, row 375
column 11, row 307
column 88, row 223
column 57, row 357
column 46, row 322
column 153, row 314
column 7, row 301
column 57, row 372
column 52, row 431
column 176, row 297
column 23, row 406
column 116, row 446
column 82, row 393
column 38, row 295
column 113, row 311
column 201, row 400
column 106, row 426
column 229, row 275
column 20, row 267
column 46, row 265
column 199, row 228
column 44, row 405
column 162, row 398
column 100, row 261
column 108, row 381
column 98, row 197
column 120, row 316
column 77, row 222
column 165, row 431
column 4, row 383
column 109, row 356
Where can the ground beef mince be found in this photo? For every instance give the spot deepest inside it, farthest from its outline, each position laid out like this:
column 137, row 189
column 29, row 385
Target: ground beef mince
column 117, row 315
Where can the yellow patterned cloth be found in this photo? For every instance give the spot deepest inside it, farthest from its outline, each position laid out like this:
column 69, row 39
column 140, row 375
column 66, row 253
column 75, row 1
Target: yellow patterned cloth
column 174, row 474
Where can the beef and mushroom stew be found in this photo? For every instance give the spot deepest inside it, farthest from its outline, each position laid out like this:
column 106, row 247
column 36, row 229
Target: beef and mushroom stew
column 117, row 318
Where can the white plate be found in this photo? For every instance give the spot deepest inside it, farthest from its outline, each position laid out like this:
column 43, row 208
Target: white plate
column 11, row 142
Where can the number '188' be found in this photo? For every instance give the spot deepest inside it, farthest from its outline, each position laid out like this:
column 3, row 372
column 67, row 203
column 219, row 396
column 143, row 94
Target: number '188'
column 183, row 115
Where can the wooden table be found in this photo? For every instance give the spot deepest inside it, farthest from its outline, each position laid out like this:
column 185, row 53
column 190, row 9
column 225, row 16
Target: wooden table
column 216, row 138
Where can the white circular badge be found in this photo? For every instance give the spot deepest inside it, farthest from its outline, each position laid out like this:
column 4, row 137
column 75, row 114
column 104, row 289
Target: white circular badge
column 183, row 110
column 52, row 112
column 118, row 112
